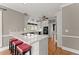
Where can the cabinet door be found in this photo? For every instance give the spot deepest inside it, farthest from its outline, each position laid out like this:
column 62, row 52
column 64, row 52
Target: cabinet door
column 35, row 48
column 0, row 28
column 43, row 46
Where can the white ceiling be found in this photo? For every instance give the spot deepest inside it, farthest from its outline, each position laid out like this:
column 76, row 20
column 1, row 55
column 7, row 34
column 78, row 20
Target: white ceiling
column 35, row 9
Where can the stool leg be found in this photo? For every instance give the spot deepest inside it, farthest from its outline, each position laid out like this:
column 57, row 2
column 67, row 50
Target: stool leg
column 23, row 54
column 30, row 51
column 12, row 49
column 9, row 46
column 16, row 52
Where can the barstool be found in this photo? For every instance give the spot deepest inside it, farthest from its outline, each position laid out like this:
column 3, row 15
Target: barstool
column 10, row 42
column 14, row 44
column 23, row 48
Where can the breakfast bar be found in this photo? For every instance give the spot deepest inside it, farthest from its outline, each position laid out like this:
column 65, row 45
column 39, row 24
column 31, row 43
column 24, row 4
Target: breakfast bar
column 39, row 43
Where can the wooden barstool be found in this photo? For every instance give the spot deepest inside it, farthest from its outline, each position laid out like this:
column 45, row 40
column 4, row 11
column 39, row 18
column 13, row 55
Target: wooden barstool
column 14, row 44
column 10, row 42
column 23, row 48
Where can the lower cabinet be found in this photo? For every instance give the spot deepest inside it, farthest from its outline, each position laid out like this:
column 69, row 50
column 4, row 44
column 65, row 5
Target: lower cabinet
column 43, row 46
column 35, row 48
column 40, row 47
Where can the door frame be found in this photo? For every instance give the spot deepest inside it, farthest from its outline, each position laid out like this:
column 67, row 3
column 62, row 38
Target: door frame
column 1, row 14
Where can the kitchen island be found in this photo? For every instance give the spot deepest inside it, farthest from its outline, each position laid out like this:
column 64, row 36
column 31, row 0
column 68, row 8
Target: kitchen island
column 39, row 43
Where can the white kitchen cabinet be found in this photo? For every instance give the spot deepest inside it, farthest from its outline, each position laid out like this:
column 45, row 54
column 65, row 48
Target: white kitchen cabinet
column 31, row 25
column 45, row 23
column 0, row 28
column 43, row 46
column 32, row 20
column 39, row 27
column 40, row 47
column 35, row 48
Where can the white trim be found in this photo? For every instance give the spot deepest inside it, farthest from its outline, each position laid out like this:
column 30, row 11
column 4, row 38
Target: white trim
column 4, row 48
column 70, row 49
column 6, row 35
column 58, row 45
column 10, row 34
column 67, row 4
column 70, row 36
column 1, row 17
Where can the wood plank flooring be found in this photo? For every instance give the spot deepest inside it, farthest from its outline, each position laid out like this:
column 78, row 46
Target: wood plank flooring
column 5, row 52
column 54, row 50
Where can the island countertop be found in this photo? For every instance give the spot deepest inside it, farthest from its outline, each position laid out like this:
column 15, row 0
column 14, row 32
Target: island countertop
column 39, row 43
column 30, row 39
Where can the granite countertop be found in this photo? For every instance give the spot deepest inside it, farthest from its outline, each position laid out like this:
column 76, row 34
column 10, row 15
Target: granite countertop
column 30, row 39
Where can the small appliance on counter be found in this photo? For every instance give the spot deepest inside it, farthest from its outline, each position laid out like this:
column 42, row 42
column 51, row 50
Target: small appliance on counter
column 39, row 33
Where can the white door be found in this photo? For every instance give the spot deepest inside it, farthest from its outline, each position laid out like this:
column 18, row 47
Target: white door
column 0, row 28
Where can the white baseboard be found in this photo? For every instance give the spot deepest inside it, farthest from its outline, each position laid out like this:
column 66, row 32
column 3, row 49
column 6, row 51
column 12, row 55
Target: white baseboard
column 4, row 48
column 71, row 50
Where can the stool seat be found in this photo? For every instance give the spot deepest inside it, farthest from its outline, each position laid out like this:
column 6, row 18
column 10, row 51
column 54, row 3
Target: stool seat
column 13, row 39
column 14, row 44
column 17, row 42
column 23, row 48
column 10, row 42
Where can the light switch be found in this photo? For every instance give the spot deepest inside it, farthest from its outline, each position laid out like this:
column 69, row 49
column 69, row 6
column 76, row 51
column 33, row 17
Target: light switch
column 66, row 30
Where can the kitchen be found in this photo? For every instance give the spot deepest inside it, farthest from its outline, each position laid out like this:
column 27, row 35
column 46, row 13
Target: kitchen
column 31, row 35
column 31, row 29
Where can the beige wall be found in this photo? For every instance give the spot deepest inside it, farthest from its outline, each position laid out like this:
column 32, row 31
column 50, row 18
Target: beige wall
column 71, row 19
column 70, row 22
column 12, row 21
column 71, row 42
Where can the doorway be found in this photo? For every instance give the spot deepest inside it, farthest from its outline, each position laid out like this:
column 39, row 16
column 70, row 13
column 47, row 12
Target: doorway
column 52, row 41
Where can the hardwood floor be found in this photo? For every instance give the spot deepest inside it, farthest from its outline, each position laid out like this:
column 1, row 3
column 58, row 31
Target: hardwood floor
column 5, row 52
column 54, row 50
column 59, row 51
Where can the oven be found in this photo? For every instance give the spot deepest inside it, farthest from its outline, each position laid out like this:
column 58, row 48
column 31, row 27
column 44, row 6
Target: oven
column 45, row 30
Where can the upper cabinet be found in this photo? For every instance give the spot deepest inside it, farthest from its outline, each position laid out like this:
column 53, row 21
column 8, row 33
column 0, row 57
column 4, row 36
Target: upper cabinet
column 32, row 25
column 35, row 24
column 32, row 20
column 45, row 23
